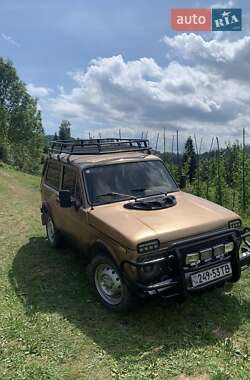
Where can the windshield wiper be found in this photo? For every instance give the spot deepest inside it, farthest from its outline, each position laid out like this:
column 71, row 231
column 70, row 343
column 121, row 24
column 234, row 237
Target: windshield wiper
column 138, row 190
column 148, row 195
column 113, row 193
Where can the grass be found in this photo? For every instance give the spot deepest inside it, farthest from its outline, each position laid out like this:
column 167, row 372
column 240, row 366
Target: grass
column 51, row 328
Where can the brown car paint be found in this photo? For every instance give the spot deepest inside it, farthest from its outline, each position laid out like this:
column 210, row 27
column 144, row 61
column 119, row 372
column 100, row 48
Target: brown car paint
column 120, row 230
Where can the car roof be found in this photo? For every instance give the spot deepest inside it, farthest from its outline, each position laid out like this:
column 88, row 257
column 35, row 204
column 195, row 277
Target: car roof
column 103, row 159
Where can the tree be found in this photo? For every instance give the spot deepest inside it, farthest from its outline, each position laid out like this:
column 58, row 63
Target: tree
column 189, row 161
column 21, row 128
column 55, row 137
column 64, row 130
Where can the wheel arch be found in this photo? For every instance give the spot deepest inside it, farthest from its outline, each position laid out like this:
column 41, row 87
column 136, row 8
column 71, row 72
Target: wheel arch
column 46, row 212
column 99, row 246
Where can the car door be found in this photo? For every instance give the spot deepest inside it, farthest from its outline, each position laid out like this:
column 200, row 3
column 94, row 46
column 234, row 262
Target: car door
column 50, row 188
column 74, row 219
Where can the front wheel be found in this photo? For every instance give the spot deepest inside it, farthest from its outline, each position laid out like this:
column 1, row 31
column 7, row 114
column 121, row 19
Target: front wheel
column 107, row 283
column 53, row 235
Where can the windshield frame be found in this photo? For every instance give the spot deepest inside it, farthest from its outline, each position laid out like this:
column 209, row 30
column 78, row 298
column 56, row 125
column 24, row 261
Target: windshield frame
column 123, row 163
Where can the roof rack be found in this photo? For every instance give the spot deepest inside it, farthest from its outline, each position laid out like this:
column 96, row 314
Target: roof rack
column 98, row 146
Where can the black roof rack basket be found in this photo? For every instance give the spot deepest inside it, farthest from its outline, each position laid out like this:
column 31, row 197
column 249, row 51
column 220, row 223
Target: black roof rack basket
column 98, row 146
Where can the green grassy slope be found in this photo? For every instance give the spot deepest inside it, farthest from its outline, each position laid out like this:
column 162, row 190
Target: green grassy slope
column 51, row 328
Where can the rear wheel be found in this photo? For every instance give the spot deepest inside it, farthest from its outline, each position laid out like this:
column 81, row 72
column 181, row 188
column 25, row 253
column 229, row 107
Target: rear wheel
column 53, row 235
column 107, row 283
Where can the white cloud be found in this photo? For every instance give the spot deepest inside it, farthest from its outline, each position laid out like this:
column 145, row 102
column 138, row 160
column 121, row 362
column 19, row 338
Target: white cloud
column 38, row 92
column 227, row 4
column 10, row 40
column 204, row 94
column 230, row 58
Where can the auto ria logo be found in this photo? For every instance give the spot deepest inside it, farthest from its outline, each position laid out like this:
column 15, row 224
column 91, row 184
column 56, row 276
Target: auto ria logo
column 205, row 19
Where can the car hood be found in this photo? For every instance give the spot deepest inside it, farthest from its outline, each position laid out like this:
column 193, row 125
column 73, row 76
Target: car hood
column 190, row 216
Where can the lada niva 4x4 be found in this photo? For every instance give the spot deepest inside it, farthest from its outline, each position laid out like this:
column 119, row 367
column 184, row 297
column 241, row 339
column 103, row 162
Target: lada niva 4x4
column 142, row 235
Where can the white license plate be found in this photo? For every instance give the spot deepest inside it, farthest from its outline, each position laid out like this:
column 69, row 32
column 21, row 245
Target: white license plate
column 212, row 274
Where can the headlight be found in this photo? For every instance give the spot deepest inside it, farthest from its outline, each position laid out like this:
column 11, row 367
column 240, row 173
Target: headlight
column 193, row 258
column 235, row 223
column 148, row 246
column 219, row 250
column 206, row 254
column 229, row 247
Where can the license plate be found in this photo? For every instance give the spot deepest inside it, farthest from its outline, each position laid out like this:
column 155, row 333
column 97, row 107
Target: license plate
column 212, row 274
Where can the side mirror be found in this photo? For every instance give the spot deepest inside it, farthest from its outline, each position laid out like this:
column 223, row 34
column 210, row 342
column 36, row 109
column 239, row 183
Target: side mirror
column 183, row 181
column 65, row 199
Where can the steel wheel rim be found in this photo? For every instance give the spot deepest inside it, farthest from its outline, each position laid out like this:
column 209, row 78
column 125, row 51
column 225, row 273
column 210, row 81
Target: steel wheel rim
column 51, row 231
column 108, row 284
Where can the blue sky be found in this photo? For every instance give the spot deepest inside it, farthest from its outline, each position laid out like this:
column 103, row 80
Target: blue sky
column 53, row 45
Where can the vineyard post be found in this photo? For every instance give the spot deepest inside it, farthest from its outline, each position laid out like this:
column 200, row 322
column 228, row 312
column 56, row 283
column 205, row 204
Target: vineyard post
column 208, row 167
column 164, row 144
column 178, row 155
column 218, row 171
column 156, row 145
column 172, row 154
column 243, row 171
column 198, row 165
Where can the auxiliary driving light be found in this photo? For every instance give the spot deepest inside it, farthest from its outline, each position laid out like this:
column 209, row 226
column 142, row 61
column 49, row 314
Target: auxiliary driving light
column 229, row 247
column 193, row 258
column 219, row 250
column 206, row 254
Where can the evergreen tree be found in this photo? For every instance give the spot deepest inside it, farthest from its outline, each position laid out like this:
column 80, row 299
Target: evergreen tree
column 64, row 130
column 189, row 161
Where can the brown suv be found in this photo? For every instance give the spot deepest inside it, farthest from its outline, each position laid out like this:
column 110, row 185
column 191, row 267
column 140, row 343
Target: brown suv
column 141, row 234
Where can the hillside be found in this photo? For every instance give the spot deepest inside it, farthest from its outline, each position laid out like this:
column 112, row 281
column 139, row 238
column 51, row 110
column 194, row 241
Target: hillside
column 51, row 328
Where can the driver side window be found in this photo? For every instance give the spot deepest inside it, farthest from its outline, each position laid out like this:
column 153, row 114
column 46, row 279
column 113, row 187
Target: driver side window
column 71, row 182
column 69, row 179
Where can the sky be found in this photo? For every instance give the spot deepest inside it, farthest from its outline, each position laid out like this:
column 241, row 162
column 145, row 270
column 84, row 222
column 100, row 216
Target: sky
column 110, row 65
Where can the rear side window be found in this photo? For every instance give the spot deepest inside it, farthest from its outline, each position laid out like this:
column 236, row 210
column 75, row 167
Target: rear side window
column 53, row 174
column 69, row 179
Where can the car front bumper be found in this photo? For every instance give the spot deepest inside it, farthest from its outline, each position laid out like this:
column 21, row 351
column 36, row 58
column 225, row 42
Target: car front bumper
column 179, row 283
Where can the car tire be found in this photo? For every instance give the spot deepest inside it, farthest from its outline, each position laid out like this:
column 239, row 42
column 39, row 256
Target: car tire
column 53, row 235
column 107, row 284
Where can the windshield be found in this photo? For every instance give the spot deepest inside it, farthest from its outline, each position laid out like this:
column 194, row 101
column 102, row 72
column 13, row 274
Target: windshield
column 116, row 182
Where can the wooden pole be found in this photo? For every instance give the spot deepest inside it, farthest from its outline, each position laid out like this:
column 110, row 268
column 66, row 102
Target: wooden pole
column 243, row 170
column 172, row 154
column 218, row 172
column 164, row 144
column 178, row 155
column 208, row 167
column 198, row 165
column 156, row 145
column 120, row 134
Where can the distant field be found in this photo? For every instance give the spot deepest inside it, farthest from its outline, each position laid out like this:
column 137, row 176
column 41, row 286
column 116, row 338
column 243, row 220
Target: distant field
column 51, row 328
